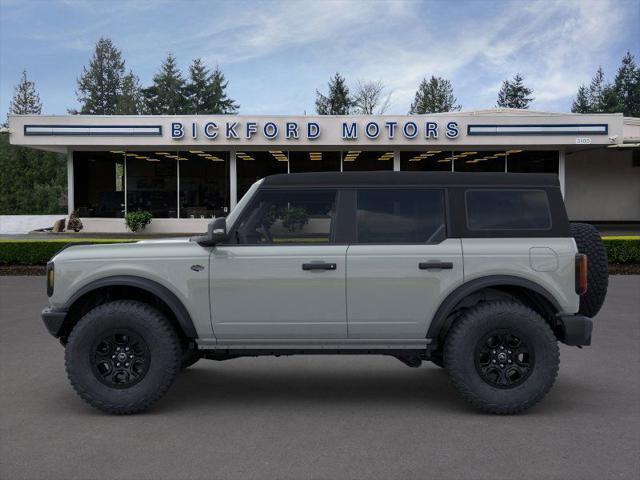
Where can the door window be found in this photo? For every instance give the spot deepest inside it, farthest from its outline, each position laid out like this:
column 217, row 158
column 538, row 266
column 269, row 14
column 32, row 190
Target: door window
column 289, row 217
column 401, row 216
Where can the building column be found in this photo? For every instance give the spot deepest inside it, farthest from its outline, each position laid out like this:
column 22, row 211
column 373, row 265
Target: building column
column 233, row 180
column 396, row 160
column 70, row 181
column 561, row 170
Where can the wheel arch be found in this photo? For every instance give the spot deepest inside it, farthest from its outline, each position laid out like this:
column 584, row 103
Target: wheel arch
column 526, row 291
column 132, row 287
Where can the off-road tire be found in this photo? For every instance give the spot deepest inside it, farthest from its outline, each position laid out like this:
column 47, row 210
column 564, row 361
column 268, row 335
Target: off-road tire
column 160, row 338
column 589, row 242
column 460, row 356
column 190, row 355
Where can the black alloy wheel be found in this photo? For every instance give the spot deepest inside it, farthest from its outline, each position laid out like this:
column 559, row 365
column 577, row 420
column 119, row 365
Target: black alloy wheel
column 120, row 359
column 504, row 359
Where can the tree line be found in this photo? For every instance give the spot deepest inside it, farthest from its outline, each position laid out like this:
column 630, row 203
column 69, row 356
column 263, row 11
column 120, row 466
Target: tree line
column 106, row 88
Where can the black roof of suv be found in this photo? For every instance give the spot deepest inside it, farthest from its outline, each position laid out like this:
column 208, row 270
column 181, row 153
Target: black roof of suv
column 413, row 178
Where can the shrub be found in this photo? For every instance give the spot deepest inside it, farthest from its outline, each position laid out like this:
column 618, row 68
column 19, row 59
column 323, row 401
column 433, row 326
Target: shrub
column 39, row 252
column 74, row 222
column 137, row 220
column 622, row 249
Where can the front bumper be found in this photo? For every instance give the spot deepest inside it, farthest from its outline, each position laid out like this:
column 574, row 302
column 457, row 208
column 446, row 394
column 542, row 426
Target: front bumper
column 575, row 330
column 53, row 319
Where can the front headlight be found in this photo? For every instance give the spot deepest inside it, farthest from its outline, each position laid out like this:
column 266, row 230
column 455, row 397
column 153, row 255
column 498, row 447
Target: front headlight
column 50, row 278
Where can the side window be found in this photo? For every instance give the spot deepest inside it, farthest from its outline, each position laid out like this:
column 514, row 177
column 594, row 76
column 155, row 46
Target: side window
column 401, row 216
column 293, row 216
column 507, row 210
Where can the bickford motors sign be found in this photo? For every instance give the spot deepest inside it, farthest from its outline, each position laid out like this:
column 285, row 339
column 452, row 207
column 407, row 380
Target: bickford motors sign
column 295, row 130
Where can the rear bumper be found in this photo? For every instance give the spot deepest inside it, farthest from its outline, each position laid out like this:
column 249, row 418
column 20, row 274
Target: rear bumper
column 53, row 320
column 575, row 330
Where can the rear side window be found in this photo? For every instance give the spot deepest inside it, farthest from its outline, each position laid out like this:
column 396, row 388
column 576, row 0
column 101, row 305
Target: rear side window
column 400, row 216
column 507, row 210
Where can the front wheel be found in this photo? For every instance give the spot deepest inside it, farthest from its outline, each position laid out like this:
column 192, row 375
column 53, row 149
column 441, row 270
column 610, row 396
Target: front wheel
column 122, row 356
column 502, row 357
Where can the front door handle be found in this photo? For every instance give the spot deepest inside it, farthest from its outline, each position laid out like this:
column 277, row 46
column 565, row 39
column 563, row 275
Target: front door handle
column 435, row 265
column 319, row 266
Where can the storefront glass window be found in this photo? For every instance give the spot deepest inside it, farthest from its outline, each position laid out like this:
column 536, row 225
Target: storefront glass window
column 532, row 161
column 152, row 183
column 252, row 166
column 363, row 161
column 204, row 184
column 431, row 160
column 479, row 161
column 99, row 184
column 316, row 161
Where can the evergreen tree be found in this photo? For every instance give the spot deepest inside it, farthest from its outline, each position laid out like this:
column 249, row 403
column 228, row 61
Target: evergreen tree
column 130, row 101
column 514, row 94
column 596, row 91
column 196, row 89
column 167, row 95
column 99, row 86
column 206, row 91
column 433, row 96
column 581, row 104
column 219, row 102
column 25, row 99
column 338, row 101
column 627, row 86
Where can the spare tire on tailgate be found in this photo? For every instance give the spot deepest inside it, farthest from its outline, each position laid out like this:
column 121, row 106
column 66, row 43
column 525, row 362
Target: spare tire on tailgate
column 589, row 242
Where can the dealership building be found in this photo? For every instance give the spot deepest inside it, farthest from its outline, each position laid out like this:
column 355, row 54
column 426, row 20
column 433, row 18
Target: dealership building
column 186, row 170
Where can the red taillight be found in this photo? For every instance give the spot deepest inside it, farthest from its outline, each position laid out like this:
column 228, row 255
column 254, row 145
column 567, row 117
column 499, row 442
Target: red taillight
column 581, row 274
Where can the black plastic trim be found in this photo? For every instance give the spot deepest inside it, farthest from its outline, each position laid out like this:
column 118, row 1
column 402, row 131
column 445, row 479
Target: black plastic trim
column 441, row 323
column 166, row 295
column 575, row 330
column 53, row 319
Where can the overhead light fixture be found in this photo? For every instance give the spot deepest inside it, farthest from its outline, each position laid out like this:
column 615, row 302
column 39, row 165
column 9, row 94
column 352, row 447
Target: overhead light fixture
column 196, row 151
column 444, row 160
column 116, row 151
column 514, row 151
column 141, row 157
column 500, row 154
column 162, row 153
column 131, row 154
column 152, row 160
column 434, row 151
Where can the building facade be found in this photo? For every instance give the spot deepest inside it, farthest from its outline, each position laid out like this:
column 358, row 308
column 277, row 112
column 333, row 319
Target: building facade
column 186, row 170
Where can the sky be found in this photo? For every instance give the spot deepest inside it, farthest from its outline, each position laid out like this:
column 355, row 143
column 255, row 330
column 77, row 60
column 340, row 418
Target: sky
column 275, row 54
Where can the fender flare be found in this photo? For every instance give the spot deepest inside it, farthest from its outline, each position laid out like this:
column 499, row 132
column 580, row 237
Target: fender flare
column 150, row 286
column 440, row 323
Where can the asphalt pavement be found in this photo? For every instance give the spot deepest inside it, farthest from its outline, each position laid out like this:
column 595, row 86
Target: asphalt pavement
column 319, row 417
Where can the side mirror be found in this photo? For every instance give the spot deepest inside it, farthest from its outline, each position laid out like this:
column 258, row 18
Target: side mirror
column 217, row 230
column 216, row 233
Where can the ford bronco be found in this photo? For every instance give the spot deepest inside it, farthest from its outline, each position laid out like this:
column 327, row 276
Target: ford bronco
column 479, row 273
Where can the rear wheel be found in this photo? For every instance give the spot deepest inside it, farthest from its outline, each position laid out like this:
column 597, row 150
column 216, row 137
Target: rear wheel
column 122, row 356
column 502, row 357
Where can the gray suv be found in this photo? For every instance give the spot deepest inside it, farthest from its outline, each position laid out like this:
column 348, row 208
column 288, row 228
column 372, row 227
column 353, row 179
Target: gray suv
column 481, row 274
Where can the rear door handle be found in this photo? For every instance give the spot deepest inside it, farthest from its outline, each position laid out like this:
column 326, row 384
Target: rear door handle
column 435, row 265
column 319, row 266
